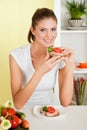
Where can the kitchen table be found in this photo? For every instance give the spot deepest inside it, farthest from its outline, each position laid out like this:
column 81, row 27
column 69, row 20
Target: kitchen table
column 74, row 118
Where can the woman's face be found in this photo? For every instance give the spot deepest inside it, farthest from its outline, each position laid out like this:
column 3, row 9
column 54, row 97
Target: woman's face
column 45, row 32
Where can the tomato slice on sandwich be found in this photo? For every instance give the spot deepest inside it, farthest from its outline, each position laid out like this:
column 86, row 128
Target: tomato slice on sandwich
column 51, row 109
column 57, row 50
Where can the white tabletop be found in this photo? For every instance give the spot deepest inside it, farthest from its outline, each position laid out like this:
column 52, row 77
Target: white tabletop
column 75, row 118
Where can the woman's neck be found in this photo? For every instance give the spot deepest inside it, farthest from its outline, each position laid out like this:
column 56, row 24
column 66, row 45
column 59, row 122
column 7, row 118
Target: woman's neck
column 38, row 50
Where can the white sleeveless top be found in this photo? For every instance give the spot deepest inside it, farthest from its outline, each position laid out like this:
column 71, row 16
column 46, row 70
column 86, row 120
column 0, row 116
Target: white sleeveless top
column 43, row 93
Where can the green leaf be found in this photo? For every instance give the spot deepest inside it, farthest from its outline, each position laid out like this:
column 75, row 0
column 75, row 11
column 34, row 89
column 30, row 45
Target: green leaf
column 45, row 108
column 50, row 49
column 76, row 9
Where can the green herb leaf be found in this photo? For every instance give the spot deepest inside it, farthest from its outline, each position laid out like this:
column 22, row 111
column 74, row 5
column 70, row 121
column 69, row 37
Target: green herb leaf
column 50, row 49
column 45, row 108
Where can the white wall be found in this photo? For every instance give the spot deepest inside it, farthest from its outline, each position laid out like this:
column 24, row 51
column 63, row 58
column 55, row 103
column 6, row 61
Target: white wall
column 78, row 42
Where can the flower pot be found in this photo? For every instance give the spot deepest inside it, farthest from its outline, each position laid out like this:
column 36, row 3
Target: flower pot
column 75, row 23
column 80, row 99
column 79, row 89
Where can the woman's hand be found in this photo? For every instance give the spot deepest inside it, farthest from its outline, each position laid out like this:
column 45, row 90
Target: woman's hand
column 49, row 63
column 68, row 55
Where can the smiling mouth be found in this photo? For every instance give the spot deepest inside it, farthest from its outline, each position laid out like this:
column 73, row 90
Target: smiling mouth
column 48, row 40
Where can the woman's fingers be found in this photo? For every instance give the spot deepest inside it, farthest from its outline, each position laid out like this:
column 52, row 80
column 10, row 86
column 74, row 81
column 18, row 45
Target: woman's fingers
column 55, row 59
column 50, row 63
column 67, row 51
column 55, row 54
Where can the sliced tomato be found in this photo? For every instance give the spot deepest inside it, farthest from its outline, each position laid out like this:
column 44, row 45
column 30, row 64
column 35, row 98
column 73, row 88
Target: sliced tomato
column 51, row 109
column 57, row 50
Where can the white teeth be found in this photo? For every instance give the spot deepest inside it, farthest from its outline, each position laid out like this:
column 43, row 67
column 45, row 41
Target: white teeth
column 47, row 40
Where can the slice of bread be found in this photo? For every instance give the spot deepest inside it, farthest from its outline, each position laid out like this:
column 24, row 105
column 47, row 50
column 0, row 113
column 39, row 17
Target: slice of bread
column 44, row 113
column 56, row 113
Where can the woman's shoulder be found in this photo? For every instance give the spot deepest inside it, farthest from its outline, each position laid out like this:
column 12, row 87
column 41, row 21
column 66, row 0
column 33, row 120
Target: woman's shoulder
column 21, row 54
column 20, row 49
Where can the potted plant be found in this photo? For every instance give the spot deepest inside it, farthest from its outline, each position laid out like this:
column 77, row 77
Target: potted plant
column 76, row 11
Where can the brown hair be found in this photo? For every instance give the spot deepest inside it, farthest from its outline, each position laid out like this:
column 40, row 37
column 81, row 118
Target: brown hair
column 40, row 14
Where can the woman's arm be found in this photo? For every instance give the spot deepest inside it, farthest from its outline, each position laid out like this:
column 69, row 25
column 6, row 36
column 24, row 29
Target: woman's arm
column 21, row 95
column 66, row 78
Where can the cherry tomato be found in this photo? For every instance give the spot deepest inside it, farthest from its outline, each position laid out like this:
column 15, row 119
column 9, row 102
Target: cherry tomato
column 51, row 109
column 4, row 112
column 11, row 111
column 14, row 120
column 57, row 50
column 25, row 124
column 8, row 111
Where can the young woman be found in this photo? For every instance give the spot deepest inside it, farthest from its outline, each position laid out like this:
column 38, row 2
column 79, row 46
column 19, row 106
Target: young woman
column 33, row 71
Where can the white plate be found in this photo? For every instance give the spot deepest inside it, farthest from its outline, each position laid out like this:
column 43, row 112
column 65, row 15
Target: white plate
column 77, row 28
column 36, row 111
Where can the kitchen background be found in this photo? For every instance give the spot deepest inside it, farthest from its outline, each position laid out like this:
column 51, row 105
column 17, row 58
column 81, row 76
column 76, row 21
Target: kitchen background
column 15, row 19
column 75, row 38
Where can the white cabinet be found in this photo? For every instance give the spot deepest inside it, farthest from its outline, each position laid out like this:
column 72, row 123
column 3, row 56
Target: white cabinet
column 75, row 39
column 71, row 38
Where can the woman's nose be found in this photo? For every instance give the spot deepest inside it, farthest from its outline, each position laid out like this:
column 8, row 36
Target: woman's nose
column 48, row 34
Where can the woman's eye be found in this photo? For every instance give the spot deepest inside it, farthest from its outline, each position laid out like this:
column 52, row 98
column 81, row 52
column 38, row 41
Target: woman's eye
column 53, row 29
column 42, row 30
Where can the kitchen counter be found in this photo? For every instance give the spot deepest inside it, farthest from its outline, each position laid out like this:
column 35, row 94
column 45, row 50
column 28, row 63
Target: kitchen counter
column 74, row 118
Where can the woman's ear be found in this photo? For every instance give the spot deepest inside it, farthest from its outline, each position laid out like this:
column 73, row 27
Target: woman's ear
column 32, row 30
